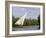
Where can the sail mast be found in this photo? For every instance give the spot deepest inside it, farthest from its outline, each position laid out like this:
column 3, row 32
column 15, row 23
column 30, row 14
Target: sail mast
column 21, row 20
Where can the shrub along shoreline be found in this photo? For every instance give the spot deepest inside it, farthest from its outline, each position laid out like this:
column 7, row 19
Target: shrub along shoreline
column 27, row 22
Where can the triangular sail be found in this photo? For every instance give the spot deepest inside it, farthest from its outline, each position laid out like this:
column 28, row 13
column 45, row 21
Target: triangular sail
column 21, row 20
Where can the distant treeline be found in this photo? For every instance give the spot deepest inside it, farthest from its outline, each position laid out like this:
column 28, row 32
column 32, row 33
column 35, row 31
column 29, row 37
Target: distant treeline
column 31, row 22
column 27, row 22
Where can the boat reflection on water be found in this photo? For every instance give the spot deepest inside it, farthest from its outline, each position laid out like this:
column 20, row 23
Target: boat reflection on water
column 25, row 28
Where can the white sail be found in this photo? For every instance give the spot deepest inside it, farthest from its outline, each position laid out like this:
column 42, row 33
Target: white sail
column 21, row 20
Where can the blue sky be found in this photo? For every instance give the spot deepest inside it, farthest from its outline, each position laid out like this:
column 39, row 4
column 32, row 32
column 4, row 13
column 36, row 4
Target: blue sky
column 33, row 12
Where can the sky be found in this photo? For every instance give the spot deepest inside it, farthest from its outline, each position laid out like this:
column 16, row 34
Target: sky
column 33, row 12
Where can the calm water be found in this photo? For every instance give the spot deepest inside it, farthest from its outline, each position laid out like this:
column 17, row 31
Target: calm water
column 26, row 28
